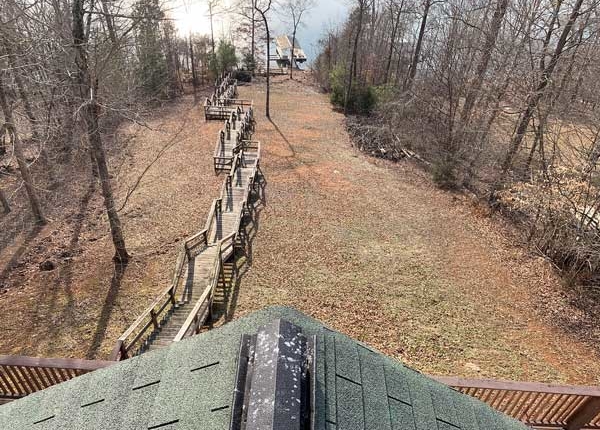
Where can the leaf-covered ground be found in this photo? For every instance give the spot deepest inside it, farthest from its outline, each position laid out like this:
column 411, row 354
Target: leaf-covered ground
column 369, row 247
column 81, row 307
column 375, row 250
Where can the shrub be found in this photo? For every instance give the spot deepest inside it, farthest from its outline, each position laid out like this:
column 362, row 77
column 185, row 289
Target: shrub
column 362, row 98
column 559, row 214
column 243, row 76
column 444, row 173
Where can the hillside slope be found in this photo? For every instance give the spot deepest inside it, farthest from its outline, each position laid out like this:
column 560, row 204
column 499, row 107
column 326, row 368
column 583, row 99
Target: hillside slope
column 371, row 248
column 375, row 250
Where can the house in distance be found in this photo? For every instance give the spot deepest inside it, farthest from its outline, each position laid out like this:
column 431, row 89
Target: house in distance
column 284, row 55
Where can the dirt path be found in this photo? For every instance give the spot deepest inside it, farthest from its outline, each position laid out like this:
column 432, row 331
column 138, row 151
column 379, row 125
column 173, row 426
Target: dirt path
column 374, row 250
column 81, row 307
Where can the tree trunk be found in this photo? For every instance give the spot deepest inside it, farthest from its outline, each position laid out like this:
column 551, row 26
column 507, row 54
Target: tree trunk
column 292, row 56
column 535, row 98
column 194, row 77
column 212, row 34
column 267, row 109
column 412, row 71
column 263, row 14
column 4, row 202
column 10, row 128
column 110, row 24
column 253, row 39
column 12, row 62
column 90, row 114
column 395, row 26
column 488, row 47
column 354, row 55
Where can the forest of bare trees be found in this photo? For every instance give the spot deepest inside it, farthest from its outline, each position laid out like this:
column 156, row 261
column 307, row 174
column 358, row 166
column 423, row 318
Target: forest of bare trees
column 72, row 71
column 498, row 97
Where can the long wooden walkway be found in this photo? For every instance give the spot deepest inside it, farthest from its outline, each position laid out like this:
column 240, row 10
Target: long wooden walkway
column 183, row 308
column 238, row 129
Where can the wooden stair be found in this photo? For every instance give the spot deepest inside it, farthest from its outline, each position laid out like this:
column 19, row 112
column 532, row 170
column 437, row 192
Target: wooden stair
column 199, row 274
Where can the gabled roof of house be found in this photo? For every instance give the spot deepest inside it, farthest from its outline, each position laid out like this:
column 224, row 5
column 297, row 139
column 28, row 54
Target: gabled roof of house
column 190, row 384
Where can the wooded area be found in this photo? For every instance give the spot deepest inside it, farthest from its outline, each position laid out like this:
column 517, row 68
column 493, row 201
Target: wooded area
column 499, row 98
column 73, row 71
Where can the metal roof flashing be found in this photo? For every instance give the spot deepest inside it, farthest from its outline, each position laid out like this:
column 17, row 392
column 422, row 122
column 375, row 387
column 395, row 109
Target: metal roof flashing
column 273, row 389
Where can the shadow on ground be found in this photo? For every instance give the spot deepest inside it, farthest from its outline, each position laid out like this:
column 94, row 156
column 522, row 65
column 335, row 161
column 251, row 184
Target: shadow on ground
column 107, row 308
column 227, row 292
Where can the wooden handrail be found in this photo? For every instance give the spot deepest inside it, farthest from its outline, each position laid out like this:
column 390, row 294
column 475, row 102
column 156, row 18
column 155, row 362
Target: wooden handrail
column 21, row 376
column 202, row 299
column 458, row 382
column 539, row 405
column 149, row 318
column 55, row 363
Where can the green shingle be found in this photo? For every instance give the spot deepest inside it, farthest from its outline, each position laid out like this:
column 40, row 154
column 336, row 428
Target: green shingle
column 401, row 415
column 374, row 391
column 350, row 405
column 330, row 385
column 396, row 383
column 320, row 386
column 191, row 385
column 347, row 364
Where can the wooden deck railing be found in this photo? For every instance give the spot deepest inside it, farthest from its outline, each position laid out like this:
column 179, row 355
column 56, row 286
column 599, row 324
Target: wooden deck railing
column 226, row 245
column 241, row 121
column 541, row 406
column 219, row 104
column 21, row 376
column 203, row 307
column 134, row 339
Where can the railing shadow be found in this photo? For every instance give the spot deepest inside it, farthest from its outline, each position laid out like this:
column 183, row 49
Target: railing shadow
column 285, row 139
column 242, row 261
column 107, row 308
column 74, row 249
column 14, row 259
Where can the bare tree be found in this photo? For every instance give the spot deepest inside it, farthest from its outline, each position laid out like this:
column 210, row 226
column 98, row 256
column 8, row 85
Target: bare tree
column 90, row 110
column 486, row 55
column 534, row 99
column 10, row 129
column 263, row 7
column 361, row 10
column 412, row 71
column 213, row 9
column 395, row 11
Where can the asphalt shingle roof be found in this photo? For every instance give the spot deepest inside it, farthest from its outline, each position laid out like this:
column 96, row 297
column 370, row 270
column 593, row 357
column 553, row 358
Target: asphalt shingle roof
column 189, row 385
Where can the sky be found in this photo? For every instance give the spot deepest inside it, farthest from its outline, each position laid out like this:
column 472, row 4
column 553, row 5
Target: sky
column 192, row 15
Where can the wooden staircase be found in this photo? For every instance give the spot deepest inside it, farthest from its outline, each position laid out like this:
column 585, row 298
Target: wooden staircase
column 203, row 262
column 200, row 275
column 183, row 309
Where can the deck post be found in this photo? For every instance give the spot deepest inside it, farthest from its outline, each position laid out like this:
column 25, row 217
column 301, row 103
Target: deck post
column 581, row 416
column 154, row 320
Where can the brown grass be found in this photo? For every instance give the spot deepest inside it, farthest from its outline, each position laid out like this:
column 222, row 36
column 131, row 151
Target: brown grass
column 369, row 247
column 374, row 250
column 80, row 308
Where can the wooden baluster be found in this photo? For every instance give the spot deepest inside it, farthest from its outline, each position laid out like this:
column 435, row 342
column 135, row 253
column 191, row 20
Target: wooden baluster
column 172, row 293
column 584, row 414
column 154, row 320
